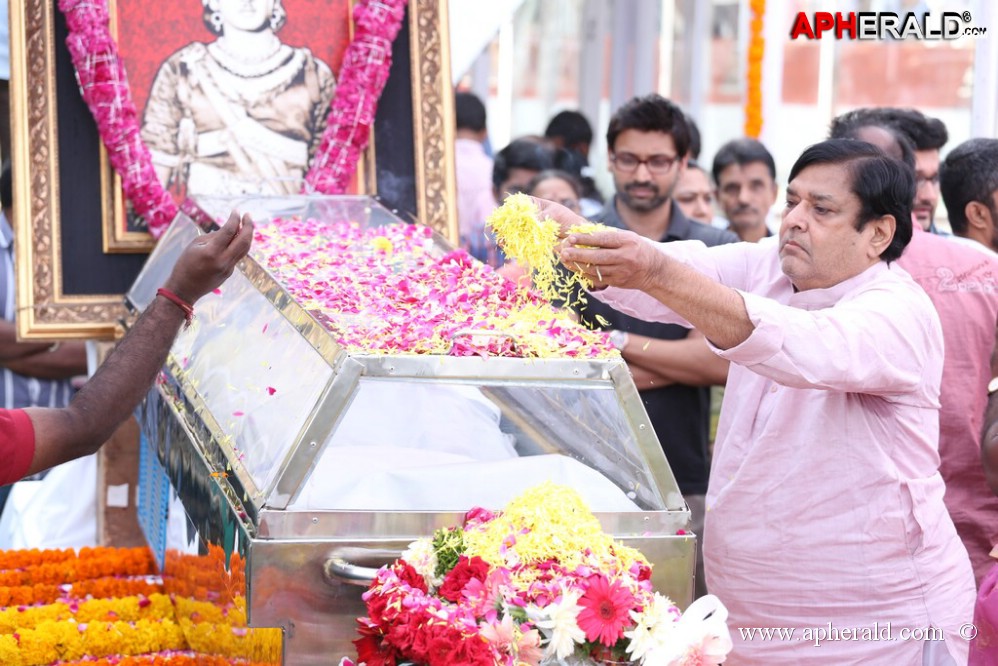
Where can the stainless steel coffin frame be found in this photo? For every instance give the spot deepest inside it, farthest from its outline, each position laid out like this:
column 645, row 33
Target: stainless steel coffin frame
column 311, row 561
column 315, row 560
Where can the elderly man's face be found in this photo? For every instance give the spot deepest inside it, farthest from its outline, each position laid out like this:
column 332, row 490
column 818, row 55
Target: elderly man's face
column 819, row 243
column 695, row 196
column 746, row 192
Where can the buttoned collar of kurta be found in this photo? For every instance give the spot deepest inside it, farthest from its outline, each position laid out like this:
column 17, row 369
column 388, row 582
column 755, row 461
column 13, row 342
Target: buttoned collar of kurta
column 825, row 507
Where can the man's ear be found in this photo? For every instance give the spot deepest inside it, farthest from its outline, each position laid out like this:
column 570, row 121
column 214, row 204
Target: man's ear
column 882, row 233
column 978, row 218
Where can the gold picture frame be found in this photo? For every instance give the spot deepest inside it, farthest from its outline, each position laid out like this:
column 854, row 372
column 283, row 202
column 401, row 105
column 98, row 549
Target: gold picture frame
column 69, row 283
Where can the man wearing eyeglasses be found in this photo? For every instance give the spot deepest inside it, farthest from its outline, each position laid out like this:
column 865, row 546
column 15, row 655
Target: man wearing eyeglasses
column 648, row 140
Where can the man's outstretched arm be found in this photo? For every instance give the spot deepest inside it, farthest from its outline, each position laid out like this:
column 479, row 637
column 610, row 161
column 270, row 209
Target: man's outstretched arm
column 121, row 382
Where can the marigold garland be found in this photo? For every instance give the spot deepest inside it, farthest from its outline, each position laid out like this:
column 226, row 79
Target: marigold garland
column 19, row 559
column 197, row 576
column 53, row 641
column 128, row 609
column 108, row 587
column 171, row 659
column 92, row 563
column 147, row 628
column 753, row 75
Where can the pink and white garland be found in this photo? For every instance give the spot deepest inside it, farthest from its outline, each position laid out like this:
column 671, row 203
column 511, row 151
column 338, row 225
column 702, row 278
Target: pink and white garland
column 362, row 79
column 104, row 87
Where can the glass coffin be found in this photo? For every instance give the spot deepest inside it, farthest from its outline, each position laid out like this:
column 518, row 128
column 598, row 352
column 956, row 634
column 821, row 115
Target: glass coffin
column 312, row 426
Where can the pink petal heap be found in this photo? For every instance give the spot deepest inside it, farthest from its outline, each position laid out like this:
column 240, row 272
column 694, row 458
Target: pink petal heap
column 390, row 290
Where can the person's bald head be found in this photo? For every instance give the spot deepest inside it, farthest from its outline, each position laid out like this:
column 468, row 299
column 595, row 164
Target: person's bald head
column 886, row 138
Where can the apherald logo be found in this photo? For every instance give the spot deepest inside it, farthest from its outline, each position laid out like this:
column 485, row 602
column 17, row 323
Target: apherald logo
column 881, row 25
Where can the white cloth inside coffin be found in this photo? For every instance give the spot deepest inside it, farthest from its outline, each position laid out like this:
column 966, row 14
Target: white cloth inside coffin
column 409, row 446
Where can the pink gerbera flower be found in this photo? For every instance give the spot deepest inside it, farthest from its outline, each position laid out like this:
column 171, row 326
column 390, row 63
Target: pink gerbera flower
column 605, row 610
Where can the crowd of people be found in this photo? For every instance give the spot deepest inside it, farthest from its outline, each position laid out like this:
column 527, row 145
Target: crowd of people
column 854, row 476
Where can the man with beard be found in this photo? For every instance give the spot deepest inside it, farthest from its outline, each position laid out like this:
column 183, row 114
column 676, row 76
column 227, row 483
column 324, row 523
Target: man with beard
column 969, row 187
column 648, row 140
column 745, row 174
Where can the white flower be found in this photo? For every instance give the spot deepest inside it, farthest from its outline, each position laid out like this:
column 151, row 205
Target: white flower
column 662, row 638
column 559, row 622
column 653, row 640
column 705, row 629
column 421, row 557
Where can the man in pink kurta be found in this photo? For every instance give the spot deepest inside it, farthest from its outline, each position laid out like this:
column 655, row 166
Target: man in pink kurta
column 825, row 514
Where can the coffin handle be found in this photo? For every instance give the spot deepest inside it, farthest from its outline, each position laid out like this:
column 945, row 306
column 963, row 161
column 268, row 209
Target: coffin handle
column 338, row 570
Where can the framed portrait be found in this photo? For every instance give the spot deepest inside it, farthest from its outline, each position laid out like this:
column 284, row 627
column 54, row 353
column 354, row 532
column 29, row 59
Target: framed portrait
column 81, row 248
column 227, row 112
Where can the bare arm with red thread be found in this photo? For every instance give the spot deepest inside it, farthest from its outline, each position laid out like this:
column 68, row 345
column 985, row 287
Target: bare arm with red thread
column 121, row 382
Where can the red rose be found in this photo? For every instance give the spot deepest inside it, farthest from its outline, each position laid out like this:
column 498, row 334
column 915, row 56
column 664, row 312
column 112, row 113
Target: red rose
column 404, row 632
column 459, row 576
column 408, row 575
column 439, row 647
column 449, row 647
column 373, row 652
column 420, row 642
column 468, row 651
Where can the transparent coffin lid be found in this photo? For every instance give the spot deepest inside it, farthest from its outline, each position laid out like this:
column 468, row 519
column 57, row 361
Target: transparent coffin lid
column 259, row 378
column 363, row 210
column 445, row 445
column 411, row 442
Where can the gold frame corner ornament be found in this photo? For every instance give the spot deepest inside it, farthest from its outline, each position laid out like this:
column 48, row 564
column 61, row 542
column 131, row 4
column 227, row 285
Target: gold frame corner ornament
column 45, row 310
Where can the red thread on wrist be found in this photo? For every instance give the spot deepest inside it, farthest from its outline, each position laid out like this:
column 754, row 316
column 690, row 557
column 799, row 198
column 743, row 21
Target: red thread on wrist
column 180, row 303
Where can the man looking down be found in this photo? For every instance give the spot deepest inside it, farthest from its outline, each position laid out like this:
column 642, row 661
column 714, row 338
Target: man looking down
column 825, row 504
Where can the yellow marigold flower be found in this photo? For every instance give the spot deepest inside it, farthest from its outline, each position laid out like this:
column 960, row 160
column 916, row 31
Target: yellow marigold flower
column 548, row 522
column 382, row 244
column 531, row 241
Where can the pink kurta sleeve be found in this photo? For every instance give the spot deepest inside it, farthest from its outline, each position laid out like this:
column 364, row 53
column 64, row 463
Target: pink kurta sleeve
column 729, row 264
column 879, row 341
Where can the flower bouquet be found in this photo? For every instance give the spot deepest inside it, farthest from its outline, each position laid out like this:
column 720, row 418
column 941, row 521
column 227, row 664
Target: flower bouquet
column 538, row 583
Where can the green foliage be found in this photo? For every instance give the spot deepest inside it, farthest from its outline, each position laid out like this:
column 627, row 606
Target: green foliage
column 448, row 543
